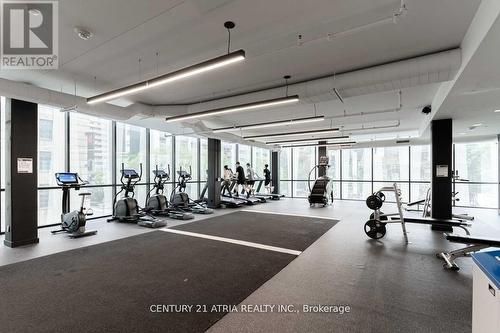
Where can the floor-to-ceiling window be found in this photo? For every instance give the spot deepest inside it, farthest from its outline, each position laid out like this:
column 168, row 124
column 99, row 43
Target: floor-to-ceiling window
column 131, row 154
column 304, row 160
column 420, row 171
column 392, row 165
column 186, row 158
column 476, row 162
column 356, row 173
column 90, row 142
column 260, row 158
column 51, row 159
column 160, row 156
column 203, row 163
column 285, row 169
column 228, row 156
column 244, row 155
column 333, row 171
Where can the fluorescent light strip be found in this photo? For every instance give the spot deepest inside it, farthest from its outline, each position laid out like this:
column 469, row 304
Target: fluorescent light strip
column 307, row 140
column 170, row 77
column 276, row 135
column 236, row 108
column 270, row 124
column 340, row 144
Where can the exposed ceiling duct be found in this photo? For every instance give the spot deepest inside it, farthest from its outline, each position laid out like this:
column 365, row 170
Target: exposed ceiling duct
column 432, row 68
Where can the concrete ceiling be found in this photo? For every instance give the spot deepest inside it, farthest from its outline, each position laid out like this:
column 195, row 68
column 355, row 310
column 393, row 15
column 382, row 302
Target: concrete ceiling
column 170, row 34
column 475, row 95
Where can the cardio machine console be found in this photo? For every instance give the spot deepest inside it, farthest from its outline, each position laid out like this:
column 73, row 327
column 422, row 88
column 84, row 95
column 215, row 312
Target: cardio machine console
column 67, row 178
column 184, row 174
column 160, row 174
column 130, row 173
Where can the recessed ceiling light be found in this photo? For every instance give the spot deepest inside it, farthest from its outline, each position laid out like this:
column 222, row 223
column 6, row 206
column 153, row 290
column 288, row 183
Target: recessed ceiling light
column 497, row 111
column 477, row 125
column 462, row 133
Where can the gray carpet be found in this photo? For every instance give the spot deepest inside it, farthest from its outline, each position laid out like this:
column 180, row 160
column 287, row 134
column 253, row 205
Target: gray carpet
column 286, row 231
column 109, row 287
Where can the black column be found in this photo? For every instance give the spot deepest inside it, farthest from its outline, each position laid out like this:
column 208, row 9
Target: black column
column 213, row 178
column 442, row 156
column 21, row 200
column 275, row 171
column 321, row 152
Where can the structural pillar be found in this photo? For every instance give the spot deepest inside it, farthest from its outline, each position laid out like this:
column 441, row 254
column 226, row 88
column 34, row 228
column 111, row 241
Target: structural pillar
column 21, row 197
column 214, row 177
column 321, row 152
column 275, row 171
column 442, row 160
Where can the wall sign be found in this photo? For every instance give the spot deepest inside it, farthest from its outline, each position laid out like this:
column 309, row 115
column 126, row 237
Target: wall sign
column 24, row 165
column 442, row 170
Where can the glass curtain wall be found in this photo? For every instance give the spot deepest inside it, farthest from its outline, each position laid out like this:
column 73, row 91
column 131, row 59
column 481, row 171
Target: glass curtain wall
column 477, row 167
column 51, row 159
column 186, row 158
column 90, row 153
column 131, row 154
column 358, row 172
column 160, row 154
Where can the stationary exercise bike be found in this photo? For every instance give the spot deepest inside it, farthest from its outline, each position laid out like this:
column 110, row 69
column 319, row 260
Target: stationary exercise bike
column 126, row 209
column 157, row 203
column 73, row 222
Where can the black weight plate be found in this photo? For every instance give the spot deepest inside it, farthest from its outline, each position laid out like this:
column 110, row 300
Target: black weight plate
column 375, row 229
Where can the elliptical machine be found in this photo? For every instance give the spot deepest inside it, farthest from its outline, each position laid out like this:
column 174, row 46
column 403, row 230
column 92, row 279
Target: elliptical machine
column 180, row 200
column 73, row 222
column 321, row 192
column 126, row 208
column 157, row 204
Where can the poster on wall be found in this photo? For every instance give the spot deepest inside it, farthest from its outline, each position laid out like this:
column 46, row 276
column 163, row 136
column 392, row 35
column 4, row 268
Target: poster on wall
column 24, row 165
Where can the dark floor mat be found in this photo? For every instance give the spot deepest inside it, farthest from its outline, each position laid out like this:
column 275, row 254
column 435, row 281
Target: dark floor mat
column 286, row 231
column 110, row 287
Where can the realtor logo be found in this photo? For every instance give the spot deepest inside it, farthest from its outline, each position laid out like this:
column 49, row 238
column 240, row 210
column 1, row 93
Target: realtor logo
column 29, row 34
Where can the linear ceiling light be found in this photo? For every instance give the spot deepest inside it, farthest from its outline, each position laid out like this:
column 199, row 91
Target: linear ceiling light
column 276, row 135
column 270, row 124
column 339, row 144
column 307, row 140
column 170, row 77
column 236, row 108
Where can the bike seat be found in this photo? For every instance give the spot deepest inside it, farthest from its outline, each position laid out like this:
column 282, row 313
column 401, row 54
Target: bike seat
column 85, row 193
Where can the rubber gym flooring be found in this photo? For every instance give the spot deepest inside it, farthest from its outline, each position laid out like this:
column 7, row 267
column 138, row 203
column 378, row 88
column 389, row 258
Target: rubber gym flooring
column 111, row 287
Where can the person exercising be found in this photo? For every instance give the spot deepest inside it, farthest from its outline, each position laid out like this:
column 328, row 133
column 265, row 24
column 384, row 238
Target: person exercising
column 250, row 180
column 228, row 177
column 240, row 178
column 267, row 178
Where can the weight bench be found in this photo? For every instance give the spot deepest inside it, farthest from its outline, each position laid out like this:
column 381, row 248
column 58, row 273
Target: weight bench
column 474, row 244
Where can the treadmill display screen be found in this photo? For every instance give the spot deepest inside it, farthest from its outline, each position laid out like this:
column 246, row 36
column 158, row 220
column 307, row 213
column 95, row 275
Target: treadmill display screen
column 67, row 178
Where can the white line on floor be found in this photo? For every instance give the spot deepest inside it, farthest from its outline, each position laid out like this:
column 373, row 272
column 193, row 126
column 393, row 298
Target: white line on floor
column 234, row 241
column 287, row 214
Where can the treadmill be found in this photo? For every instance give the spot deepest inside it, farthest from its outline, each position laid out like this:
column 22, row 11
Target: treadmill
column 243, row 197
column 229, row 200
column 272, row 196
